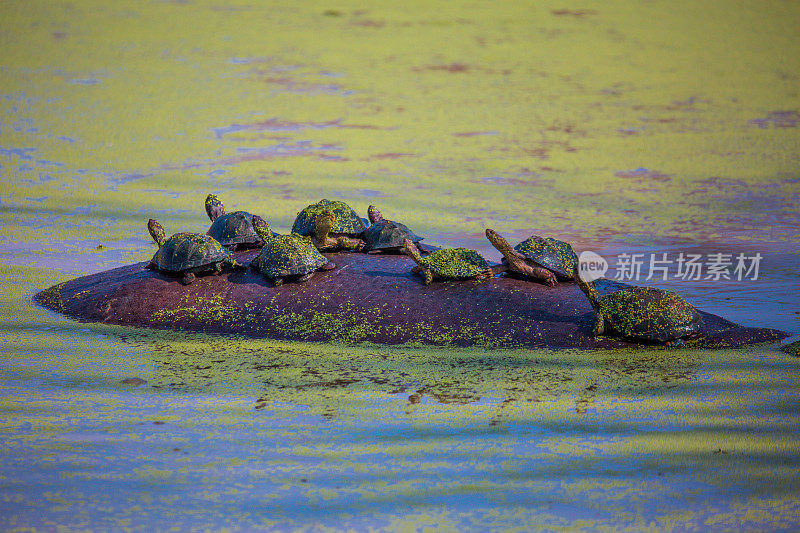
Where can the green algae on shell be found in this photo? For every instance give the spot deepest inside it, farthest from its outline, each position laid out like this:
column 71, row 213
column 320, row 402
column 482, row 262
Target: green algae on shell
column 289, row 255
column 184, row 251
column 552, row 254
column 456, row 263
column 347, row 221
column 650, row 314
column 792, row 349
column 234, row 228
column 387, row 235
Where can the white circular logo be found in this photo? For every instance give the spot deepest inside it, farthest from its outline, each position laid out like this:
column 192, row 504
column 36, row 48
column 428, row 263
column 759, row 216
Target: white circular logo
column 591, row 266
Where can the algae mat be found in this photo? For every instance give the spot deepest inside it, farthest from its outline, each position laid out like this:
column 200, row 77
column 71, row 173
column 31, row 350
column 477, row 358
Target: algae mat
column 649, row 127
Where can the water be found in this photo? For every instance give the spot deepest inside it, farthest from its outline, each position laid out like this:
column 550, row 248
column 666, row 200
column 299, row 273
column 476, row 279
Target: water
column 588, row 124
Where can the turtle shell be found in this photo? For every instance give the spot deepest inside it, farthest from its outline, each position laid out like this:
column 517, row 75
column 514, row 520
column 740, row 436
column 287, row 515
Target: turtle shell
column 347, row 221
column 554, row 255
column 387, row 235
column 650, row 314
column 234, row 228
column 456, row 263
column 183, row 251
column 294, row 254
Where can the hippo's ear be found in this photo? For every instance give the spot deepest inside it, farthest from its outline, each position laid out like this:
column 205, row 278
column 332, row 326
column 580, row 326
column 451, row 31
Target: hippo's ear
column 214, row 207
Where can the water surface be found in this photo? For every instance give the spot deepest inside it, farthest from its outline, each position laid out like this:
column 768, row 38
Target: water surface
column 655, row 128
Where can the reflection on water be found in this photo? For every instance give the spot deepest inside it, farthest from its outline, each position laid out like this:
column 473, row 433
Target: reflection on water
column 184, row 430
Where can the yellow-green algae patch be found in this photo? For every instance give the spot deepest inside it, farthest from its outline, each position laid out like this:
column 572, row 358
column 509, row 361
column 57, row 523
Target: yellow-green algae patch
column 516, row 116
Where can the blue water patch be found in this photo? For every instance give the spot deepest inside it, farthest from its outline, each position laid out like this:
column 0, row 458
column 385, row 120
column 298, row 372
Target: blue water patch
column 22, row 153
column 114, row 180
column 86, row 81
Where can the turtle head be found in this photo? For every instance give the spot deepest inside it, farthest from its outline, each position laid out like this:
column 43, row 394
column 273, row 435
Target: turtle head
column 156, row 232
column 325, row 222
column 214, row 207
column 497, row 241
column 262, row 228
column 374, row 215
column 587, row 288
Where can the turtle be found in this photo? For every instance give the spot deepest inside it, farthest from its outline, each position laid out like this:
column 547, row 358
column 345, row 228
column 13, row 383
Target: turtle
column 187, row 254
column 545, row 259
column 387, row 235
column 232, row 230
column 642, row 313
column 284, row 256
column 449, row 263
column 340, row 233
column 792, row 349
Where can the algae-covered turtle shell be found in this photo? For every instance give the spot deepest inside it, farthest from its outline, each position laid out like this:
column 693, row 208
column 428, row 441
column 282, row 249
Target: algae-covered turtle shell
column 234, row 228
column 185, row 251
column 650, row 314
column 387, row 235
column 289, row 255
column 347, row 221
column 552, row 254
column 456, row 263
column 792, row 349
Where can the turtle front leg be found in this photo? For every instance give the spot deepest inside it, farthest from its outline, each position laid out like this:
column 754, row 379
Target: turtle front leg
column 428, row 275
column 496, row 269
column 347, row 243
column 599, row 324
column 324, row 242
column 535, row 272
column 188, row 278
column 217, row 269
column 330, row 265
column 231, row 263
column 277, row 281
column 306, row 277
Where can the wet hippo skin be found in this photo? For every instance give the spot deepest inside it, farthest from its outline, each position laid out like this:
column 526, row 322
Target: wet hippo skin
column 371, row 298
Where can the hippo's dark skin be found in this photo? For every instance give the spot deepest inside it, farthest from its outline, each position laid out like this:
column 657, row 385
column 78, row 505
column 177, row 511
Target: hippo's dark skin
column 372, row 298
